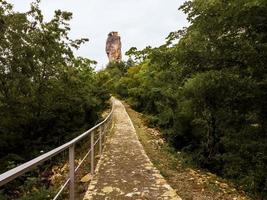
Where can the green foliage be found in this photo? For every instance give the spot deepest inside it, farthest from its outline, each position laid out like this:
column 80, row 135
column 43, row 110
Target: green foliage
column 42, row 194
column 113, row 72
column 46, row 93
column 206, row 88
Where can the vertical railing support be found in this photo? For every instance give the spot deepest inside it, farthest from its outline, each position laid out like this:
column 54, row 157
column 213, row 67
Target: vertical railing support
column 100, row 140
column 72, row 172
column 92, row 153
column 104, row 132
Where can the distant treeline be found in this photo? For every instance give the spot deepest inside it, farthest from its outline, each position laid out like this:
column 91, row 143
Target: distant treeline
column 207, row 88
column 47, row 95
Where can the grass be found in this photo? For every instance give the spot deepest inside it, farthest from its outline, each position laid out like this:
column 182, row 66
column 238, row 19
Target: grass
column 189, row 181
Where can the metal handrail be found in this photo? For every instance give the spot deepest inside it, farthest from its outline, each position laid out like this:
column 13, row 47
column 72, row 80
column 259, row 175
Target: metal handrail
column 28, row 166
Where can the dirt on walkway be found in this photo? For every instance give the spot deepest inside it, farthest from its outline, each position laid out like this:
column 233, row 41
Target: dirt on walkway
column 124, row 170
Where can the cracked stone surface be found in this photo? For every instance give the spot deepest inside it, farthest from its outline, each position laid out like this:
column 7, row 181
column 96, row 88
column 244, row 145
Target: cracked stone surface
column 124, row 170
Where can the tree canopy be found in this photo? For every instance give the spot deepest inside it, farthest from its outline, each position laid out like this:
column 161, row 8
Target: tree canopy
column 47, row 94
column 206, row 88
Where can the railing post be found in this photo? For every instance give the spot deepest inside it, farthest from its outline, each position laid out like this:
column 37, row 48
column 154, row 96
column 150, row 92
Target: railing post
column 72, row 172
column 110, row 123
column 104, row 131
column 92, row 153
column 100, row 141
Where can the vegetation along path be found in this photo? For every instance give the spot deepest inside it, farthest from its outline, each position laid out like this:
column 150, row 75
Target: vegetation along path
column 124, row 170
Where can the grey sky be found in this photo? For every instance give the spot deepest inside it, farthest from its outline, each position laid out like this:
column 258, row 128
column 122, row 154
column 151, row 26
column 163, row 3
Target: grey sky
column 139, row 22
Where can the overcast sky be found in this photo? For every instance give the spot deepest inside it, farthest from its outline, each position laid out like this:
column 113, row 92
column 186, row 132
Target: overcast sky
column 139, row 22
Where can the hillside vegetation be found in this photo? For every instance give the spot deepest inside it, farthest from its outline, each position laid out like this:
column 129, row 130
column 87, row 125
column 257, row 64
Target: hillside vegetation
column 47, row 95
column 206, row 88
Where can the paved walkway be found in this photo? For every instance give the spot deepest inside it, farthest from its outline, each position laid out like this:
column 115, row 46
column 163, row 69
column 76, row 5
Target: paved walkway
column 124, row 170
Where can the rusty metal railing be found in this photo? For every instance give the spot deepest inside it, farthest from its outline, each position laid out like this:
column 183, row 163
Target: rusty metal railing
column 103, row 128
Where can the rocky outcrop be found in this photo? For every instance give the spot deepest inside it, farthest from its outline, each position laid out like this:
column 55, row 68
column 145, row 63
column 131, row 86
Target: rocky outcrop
column 113, row 47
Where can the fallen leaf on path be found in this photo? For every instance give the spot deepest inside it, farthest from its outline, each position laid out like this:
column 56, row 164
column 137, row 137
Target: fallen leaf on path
column 107, row 189
column 86, row 178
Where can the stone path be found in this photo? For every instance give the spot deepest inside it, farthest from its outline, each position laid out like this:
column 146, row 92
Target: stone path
column 124, row 170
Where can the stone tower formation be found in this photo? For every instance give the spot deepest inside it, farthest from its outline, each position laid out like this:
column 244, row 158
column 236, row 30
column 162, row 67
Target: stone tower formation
column 113, row 47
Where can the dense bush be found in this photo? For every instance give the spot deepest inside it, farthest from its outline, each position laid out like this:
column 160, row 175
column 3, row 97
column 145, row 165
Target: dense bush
column 207, row 89
column 46, row 93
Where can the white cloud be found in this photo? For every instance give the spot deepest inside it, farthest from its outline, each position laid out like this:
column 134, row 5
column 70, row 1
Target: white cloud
column 139, row 22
